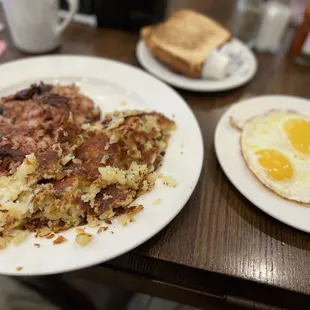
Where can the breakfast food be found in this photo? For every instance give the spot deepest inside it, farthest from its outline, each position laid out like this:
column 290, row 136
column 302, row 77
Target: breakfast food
column 85, row 171
column 185, row 41
column 276, row 148
column 30, row 119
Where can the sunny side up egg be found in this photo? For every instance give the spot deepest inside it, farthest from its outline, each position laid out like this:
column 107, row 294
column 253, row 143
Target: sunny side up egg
column 276, row 148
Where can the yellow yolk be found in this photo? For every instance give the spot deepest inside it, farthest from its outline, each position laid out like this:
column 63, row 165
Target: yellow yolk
column 275, row 163
column 298, row 132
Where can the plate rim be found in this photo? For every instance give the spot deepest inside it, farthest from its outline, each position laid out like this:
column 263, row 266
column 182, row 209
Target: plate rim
column 232, row 179
column 141, row 49
column 186, row 197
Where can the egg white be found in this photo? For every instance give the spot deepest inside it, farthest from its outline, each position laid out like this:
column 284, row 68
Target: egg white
column 267, row 132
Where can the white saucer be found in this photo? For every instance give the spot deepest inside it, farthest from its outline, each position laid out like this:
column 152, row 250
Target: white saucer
column 244, row 74
column 227, row 147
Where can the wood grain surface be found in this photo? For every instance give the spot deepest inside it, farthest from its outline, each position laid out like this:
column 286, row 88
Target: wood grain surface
column 220, row 243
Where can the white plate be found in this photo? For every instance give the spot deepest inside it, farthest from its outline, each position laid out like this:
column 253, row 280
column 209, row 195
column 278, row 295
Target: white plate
column 109, row 83
column 227, row 146
column 240, row 77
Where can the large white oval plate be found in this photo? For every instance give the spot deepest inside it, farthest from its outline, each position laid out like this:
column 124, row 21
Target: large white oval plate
column 109, row 84
column 244, row 74
column 227, row 146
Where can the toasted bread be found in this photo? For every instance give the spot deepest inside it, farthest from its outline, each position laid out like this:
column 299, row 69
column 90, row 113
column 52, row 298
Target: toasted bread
column 185, row 40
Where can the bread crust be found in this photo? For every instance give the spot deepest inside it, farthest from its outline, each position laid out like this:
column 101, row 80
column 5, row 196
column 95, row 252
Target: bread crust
column 174, row 63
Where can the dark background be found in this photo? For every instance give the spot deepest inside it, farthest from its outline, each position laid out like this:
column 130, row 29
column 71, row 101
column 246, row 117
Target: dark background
column 129, row 15
column 86, row 6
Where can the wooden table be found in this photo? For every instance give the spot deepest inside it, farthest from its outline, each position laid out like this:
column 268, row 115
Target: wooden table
column 220, row 247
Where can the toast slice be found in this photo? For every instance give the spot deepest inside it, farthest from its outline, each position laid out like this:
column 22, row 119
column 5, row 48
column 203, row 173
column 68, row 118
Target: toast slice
column 185, row 40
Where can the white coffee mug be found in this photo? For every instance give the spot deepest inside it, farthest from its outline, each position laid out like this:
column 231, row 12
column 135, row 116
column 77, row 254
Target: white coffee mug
column 34, row 24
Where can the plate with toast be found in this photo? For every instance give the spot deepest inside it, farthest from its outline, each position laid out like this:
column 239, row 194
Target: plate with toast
column 192, row 51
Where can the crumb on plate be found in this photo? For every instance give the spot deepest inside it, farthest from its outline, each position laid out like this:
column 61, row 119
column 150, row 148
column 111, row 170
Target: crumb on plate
column 133, row 211
column 136, row 209
column 80, row 230
column 59, row 240
column 37, row 245
column 101, row 229
column 43, row 232
column 51, row 236
column 19, row 268
column 83, row 239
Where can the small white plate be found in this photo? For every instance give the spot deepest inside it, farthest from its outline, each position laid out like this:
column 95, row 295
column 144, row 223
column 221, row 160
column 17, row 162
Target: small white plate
column 244, row 74
column 109, row 84
column 227, row 147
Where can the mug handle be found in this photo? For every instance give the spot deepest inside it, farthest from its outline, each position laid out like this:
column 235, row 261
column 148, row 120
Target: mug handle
column 73, row 8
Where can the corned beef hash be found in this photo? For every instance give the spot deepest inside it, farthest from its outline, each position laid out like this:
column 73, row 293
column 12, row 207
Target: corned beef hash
column 61, row 166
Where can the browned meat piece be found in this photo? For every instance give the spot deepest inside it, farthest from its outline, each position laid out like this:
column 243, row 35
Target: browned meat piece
column 90, row 154
column 116, row 198
column 14, row 146
column 29, row 93
column 47, row 103
column 31, row 119
column 81, row 106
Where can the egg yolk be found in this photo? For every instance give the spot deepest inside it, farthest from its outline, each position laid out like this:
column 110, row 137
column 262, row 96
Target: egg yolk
column 298, row 132
column 275, row 163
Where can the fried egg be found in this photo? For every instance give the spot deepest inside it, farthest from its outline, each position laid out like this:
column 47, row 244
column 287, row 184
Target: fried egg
column 276, row 148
